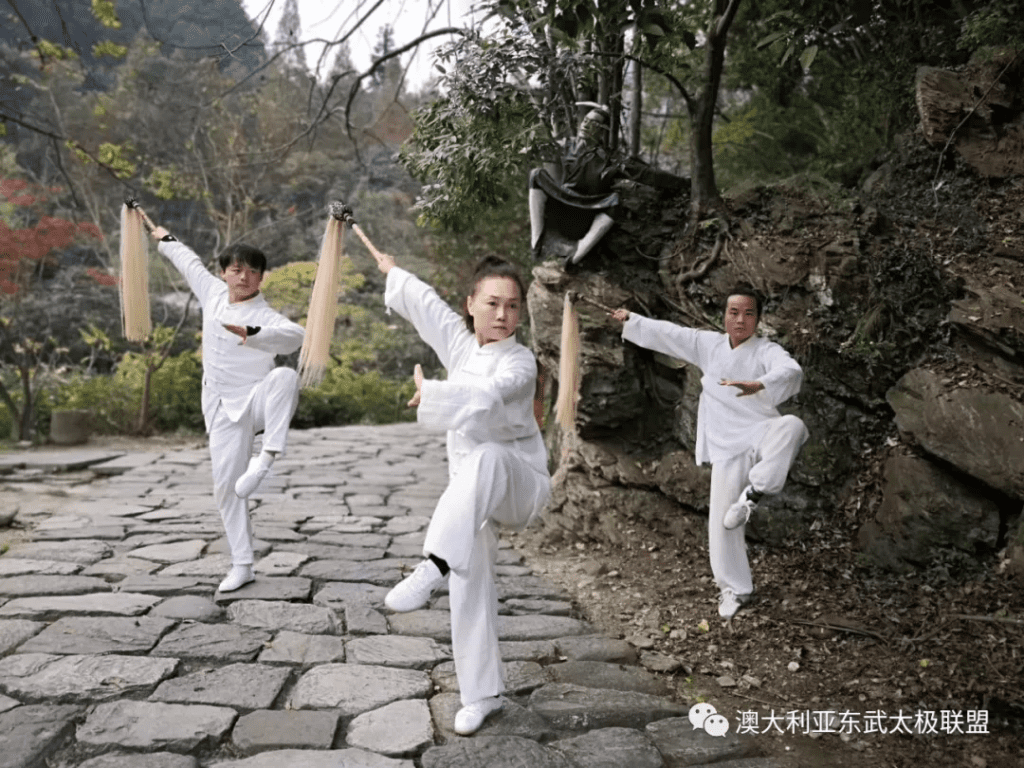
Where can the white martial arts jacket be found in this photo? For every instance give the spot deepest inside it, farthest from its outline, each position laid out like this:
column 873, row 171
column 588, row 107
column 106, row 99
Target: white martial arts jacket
column 727, row 425
column 231, row 369
column 488, row 395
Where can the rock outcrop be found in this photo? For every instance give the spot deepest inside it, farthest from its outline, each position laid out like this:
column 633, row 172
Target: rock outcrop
column 906, row 310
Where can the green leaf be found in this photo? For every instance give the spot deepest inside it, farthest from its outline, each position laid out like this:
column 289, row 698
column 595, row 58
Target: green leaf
column 789, row 52
column 807, row 57
column 767, row 40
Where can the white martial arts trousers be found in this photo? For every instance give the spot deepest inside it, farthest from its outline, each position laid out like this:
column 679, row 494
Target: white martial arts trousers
column 765, row 467
column 493, row 484
column 270, row 409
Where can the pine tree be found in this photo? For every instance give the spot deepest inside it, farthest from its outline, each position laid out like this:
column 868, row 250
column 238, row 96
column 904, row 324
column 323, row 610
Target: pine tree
column 289, row 33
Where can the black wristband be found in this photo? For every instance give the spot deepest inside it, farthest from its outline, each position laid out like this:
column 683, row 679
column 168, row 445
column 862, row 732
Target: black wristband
column 168, row 238
column 252, row 330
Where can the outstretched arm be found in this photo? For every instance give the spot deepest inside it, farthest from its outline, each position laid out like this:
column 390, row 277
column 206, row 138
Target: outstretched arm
column 203, row 284
column 436, row 322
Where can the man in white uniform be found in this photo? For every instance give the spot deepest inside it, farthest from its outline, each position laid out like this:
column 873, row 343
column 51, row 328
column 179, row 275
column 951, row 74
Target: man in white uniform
column 748, row 443
column 243, row 391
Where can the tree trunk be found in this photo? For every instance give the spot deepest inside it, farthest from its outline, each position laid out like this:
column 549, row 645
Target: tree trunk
column 27, row 407
column 144, row 406
column 636, row 98
column 703, row 187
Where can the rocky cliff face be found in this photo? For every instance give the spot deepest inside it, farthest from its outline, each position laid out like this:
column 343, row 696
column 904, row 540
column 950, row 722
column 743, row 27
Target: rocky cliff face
column 904, row 303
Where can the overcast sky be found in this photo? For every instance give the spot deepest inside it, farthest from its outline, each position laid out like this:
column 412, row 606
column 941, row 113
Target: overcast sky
column 331, row 19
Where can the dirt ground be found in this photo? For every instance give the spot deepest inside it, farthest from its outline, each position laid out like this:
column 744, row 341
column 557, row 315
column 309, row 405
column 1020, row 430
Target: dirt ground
column 823, row 634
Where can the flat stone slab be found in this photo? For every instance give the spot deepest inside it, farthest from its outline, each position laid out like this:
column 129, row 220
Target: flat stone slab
column 370, row 540
column 28, row 585
column 280, row 564
column 112, row 603
column 125, row 463
column 364, row 620
column 64, row 679
column 175, row 552
column 7, row 703
column 341, row 594
column 85, row 552
column 57, row 461
column 511, row 720
column 520, row 607
column 299, row 648
column 188, row 607
column 152, row 760
column 110, row 634
column 353, row 689
column 540, row 627
column 155, row 584
column 212, row 567
column 521, row 677
column 596, row 648
column 308, row 758
column 397, row 651
column 385, row 573
column 242, row 686
column 277, row 614
column 400, row 729
column 541, row 651
column 22, row 566
column 495, row 752
column 109, row 532
column 14, row 632
column 284, row 729
column 682, row 744
column 213, row 642
column 611, row 748
column 577, row 708
column 29, row 733
column 270, row 588
column 120, row 566
column 600, row 674
column 528, row 588
column 154, row 726
column 310, row 549
column 424, row 623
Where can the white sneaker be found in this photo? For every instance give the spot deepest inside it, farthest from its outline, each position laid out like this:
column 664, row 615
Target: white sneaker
column 728, row 603
column 414, row 590
column 739, row 513
column 469, row 719
column 253, row 476
column 237, row 577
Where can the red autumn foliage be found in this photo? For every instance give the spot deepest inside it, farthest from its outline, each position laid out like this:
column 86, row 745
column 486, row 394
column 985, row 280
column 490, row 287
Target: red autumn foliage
column 22, row 247
column 101, row 277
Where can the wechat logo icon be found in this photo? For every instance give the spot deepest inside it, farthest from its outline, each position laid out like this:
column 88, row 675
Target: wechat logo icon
column 704, row 715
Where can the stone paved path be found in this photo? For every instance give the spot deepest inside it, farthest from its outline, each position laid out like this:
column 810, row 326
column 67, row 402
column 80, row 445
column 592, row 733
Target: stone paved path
column 116, row 651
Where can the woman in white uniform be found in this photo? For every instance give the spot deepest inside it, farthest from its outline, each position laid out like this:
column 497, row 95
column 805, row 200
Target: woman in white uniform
column 497, row 462
column 740, row 431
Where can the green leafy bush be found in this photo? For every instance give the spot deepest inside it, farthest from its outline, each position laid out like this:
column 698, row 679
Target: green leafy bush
column 115, row 400
column 347, row 397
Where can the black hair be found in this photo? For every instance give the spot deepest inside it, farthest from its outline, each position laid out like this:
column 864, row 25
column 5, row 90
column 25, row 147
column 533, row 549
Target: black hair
column 493, row 266
column 243, row 254
column 744, row 290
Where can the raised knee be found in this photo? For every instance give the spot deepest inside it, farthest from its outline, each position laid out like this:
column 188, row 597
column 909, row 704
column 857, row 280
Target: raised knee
column 283, row 377
column 487, row 455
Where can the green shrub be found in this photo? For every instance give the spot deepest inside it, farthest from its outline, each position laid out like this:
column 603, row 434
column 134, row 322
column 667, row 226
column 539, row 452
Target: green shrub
column 115, row 400
column 347, row 397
